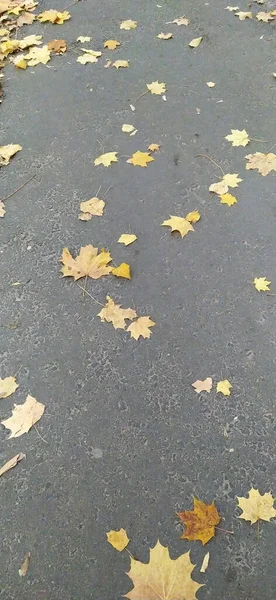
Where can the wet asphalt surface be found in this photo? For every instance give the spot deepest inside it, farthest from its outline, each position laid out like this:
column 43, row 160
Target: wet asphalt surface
column 126, row 440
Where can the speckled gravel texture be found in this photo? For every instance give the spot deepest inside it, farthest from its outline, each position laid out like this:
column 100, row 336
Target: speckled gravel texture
column 126, row 440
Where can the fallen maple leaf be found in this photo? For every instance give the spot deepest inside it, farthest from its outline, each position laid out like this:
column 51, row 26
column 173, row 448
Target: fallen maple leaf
column 224, row 387
column 228, row 199
column 193, row 216
column 87, row 58
column 141, row 328
column 211, row 84
column 92, row 207
column 165, row 36
column 20, row 62
column 54, row 16
column 88, row 263
column 127, row 238
column 9, row 47
column 12, row 463
column 200, row 522
column 203, row 385
column 129, row 24
column 262, row 284
column 106, row 159
column 57, row 46
column 111, row 44
column 24, row 416
column 84, row 38
column 6, row 152
column 195, row 42
column 118, row 539
column 178, row 224
column 154, row 147
column 162, row 578
column 25, row 19
column 123, row 270
column 113, row 313
column 38, row 55
column 30, row 40
column 179, row 21
column 118, row 64
column 7, row 386
column 264, row 16
column 140, row 159
column 126, row 128
column 238, row 138
column 156, row 88
column 257, row 506
column 264, row 163
column 25, row 565
column 244, row 15
column 232, row 179
column 219, row 188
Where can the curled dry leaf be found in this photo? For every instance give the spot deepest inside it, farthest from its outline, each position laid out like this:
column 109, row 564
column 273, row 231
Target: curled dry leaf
column 54, row 16
column 83, row 39
column 203, row 385
column 179, row 21
column 123, row 270
column 118, row 539
column 238, row 138
column 127, row 238
column 193, row 216
column 195, row 42
column 38, row 55
column 141, row 328
column 257, row 507
column 228, row 199
column 24, row 416
column 57, row 46
column 154, row 147
column 162, row 578
column 156, row 88
column 12, row 463
column 165, row 36
column 264, row 163
column 90, row 208
column 140, row 159
column 113, row 313
column 119, row 64
column 106, row 159
column 180, row 224
column 224, row 387
column 262, row 284
column 6, row 152
column 112, row 44
column 200, row 522
column 25, row 565
column 7, row 386
column 244, row 15
column 88, row 263
column 129, row 24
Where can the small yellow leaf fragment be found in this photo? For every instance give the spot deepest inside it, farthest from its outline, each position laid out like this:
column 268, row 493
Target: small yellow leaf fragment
column 228, row 199
column 203, row 386
column 7, row 386
column 19, row 62
column 25, row 565
column 140, row 159
column 113, row 313
column 54, row 16
column 123, row 270
column 118, row 539
column 224, row 387
column 6, row 152
column 24, row 416
column 211, row 84
column 11, row 463
column 106, row 159
column 179, row 21
column 127, row 238
column 264, row 16
column 257, row 506
column 244, row 15
column 205, row 563
column 84, row 38
column 119, row 64
column 262, row 284
column 238, row 137
column 93, row 207
column 165, row 36
column 126, row 128
column 154, row 147
column 193, row 216
column 264, row 163
column 156, row 88
column 129, row 24
column 179, row 224
column 195, row 42
column 111, row 44
column 141, row 328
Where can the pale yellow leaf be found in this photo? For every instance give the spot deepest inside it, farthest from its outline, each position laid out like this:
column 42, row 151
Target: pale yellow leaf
column 264, row 163
column 118, row 64
column 123, row 270
column 232, row 180
column 127, row 238
column 193, row 216
column 238, row 138
column 179, row 21
column 54, row 16
column 204, row 385
column 4, row 32
column 12, row 463
column 118, row 539
column 84, row 38
column 224, row 387
column 264, row 16
column 24, row 416
column 154, row 147
column 30, row 40
column 211, row 84
column 195, row 42
column 6, row 152
column 38, row 55
column 2, row 206
column 88, row 263
column 129, row 24
column 228, row 199
column 7, row 386
column 257, row 506
column 106, row 159
column 244, row 15
column 87, row 58
column 112, row 44
column 232, row 8
column 262, row 284
column 94, row 207
column 178, row 224
column 141, row 328
column 126, row 128
column 25, row 565
column 156, row 88
column 113, row 313
column 165, row 36
column 20, row 62
column 205, row 563
column 140, row 159
column 219, row 188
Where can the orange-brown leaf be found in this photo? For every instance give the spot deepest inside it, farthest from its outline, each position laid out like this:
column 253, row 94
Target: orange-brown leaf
column 200, row 522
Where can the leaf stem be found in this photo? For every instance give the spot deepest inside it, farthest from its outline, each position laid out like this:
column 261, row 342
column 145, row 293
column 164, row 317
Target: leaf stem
column 225, row 530
column 212, row 160
column 255, row 140
column 141, row 95
column 86, row 292
column 19, row 188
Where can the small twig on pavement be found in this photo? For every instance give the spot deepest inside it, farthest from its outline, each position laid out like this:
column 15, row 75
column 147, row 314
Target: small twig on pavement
column 19, row 188
column 86, row 292
column 212, row 160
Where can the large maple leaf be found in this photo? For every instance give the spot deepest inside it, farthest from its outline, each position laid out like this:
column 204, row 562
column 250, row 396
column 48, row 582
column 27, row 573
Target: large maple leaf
column 200, row 523
column 162, row 578
column 88, row 263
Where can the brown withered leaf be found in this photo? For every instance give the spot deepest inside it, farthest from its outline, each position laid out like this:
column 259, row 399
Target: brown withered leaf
column 12, row 463
column 25, row 18
column 200, row 522
column 25, row 565
column 88, row 263
column 57, row 46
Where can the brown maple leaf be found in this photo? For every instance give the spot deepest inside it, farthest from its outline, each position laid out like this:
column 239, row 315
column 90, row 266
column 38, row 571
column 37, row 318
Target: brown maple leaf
column 88, row 263
column 200, row 522
column 264, row 163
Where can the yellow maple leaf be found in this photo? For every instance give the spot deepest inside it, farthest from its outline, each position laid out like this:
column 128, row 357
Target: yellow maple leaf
column 180, row 21
column 154, row 147
column 54, row 16
column 113, row 313
column 30, row 40
column 88, row 263
column 165, row 36
column 203, row 385
column 140, row 159
column 9, row 47
column 6, row 152
column 195, row 42
column 178, row 224
column 193, row 216
column 200, row 522
column 141, row 328
column 20, row 62
column 156, row 88
column 118, row 64
column 224, row 387
column 129, row 24
column 238, row 137
column 111, row 44
column 228, row 199
column 244, row 15
column 162, row 578
column 264, row 16
column 38, row 55
column 24, row 416
column 257, row 506
column 232, row 179
column 123, row 270
column 262, row 284
column 118, row 539
column 87, row 58
column 84, row 38
column 7, row 386
column 264, row 163
column 92, row 207
column 127, row 238
column 106, row 159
